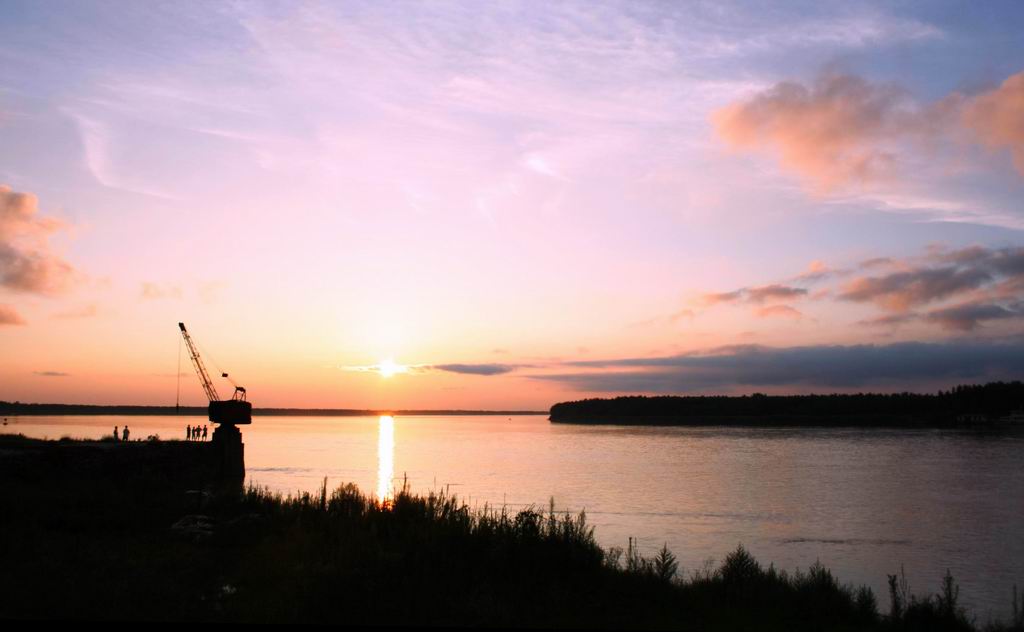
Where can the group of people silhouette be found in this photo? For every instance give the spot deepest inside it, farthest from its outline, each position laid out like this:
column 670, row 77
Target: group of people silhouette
column 197, row 433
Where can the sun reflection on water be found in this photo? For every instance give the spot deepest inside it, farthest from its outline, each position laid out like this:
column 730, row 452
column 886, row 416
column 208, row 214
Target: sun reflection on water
column 385, row 457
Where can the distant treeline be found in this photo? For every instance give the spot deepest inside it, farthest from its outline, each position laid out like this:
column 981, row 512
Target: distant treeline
column 11, row 409
column 961, row 404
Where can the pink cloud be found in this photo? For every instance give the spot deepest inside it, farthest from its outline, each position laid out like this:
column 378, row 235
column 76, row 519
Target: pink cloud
column 722, row 297
column 158, row 291
column 842, row 129
column 829, row 132
column 781, row 311
column 10, row 316
column 890, row 320
column 900, row 291
column 87, row 311
column 681, row 314
column 774, row 292
column 997, row 118
column 26, row 262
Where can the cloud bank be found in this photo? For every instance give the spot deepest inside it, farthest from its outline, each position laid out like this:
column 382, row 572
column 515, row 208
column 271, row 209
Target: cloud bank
column 728, row 369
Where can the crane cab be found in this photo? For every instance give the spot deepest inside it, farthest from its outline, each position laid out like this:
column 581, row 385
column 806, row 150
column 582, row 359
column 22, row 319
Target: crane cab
column 235, row 412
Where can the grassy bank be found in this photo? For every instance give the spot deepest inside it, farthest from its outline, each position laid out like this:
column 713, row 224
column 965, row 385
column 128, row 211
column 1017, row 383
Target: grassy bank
column 86, row 539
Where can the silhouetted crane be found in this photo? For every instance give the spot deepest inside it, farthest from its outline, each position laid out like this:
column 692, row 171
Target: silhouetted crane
column 234, row 411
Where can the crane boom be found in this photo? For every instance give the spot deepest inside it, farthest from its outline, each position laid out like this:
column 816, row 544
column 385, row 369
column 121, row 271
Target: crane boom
column 204, row 377
column 228, row 413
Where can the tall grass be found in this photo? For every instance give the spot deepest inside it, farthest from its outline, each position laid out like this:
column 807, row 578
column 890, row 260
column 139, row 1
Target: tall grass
column 438, row 514
column 505, row 565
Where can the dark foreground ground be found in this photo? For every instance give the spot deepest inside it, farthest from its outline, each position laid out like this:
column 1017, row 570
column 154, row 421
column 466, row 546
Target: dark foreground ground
column 101, row 530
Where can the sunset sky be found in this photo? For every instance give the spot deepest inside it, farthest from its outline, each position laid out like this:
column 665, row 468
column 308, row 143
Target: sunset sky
column 506, row 205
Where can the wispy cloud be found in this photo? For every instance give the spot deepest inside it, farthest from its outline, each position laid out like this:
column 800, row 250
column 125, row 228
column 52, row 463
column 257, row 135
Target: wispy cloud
column 151, row 291
column 51, row 374
column 959, row 290
column 756, row 295
column 780, row 311
column 87, row 311
column 477, row 369
column 902, row 290
column 816, row 271
column 942, row 275
column 970, row 316
column 99, row 145
column 889, row 320
column 482, row 369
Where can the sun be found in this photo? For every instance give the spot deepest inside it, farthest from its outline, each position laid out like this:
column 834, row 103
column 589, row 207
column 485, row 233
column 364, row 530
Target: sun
column 388, row 368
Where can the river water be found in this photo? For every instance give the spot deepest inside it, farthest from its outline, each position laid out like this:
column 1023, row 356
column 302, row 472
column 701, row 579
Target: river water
column 863, row 502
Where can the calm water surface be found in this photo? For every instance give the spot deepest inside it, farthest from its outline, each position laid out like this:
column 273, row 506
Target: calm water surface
column 862, row 502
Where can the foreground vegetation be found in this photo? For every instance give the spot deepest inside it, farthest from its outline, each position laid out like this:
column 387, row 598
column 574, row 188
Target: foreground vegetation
column 85, row 540
column 973, row 403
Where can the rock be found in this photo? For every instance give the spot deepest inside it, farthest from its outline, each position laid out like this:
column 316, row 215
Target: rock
column 245, row 523
column 196, row 500
column 245, row 520
column 194, row 527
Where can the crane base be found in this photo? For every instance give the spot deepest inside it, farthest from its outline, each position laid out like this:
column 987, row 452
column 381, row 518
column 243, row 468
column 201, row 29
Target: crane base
column 230, row 453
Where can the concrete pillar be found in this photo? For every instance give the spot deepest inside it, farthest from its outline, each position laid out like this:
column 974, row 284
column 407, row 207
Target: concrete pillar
column 230, row 453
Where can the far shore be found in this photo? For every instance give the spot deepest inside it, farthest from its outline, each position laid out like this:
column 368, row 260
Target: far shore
column 996, row 404
column 16, row 409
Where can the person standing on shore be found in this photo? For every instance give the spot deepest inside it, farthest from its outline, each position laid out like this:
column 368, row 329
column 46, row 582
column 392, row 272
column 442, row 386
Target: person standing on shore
column 204, row 432
column 115, row 433
column 124, row 434
column 188, row 433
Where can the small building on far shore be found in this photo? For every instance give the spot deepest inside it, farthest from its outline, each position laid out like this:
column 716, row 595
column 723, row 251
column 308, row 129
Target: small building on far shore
column 1016, row 417
column 972, row 419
